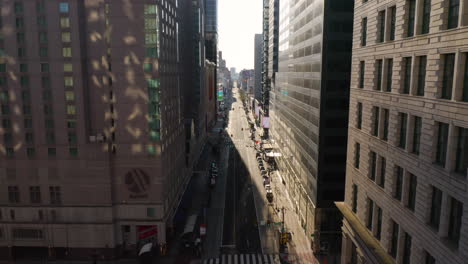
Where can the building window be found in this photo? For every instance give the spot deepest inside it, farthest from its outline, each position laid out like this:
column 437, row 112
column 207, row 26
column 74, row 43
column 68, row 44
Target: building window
column 18, row 7
column 67, row 52
column 23, row 67
column 151, row 9
column 30, row 152
column 378, row 232
column 398, row 183
column 364, row 32
column 42, row 22
column 370, row 213
column 379, row 74
column 465, row 80
column 72, row 139
column 407, row 75
column 44, row 67
column 381, row 26
column 151, row 38
column 150, row 212
column 362, row 69
column 447, row 82
column 357, row 154
column 386, row 115
column 13, row 194
column 5, row 109
column 64, row 7
column 69, row 95
column 47, row 95
column 417, row 134
column 7, row 138
column 442, row 139
column 43, row 37
column 421, row 76
column 51, row 152
column 64, row 22
column 429, row 259
column 355, row 197
column 29, row 138
column 152, row 52
column 375, row 123
column 411, row 4
column 394, row 239
column 389, row 75
column 21, row 52
column 10, row 152
column 49, row 123
column 148, row 67
column 6, row 123
column 455, row 220
column 392, row 11
column 407, row 249
column 436, row 208
column 68, row 81
column 66, row 37
column 461, row 165
column 373, row 165
column 35, row 194
column 68, row 67
column 43, row 52
column 426, row 16
column 453, row 10
column 403, row 125
column 50, row 137
column 19, row 22
column 27, row 123
column 55, row 195
column 71, row 110
column 2, row 67
column 359, row 116
column 73, row 152
column 412, row 186
column 383, row 167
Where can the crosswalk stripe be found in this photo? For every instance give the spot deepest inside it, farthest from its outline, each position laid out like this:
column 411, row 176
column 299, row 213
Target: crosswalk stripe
column 244, row 259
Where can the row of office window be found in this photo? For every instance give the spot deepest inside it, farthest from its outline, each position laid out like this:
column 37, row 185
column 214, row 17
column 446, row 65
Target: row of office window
column 413, row 76
column 404, row 189
column 35, row 196
column 386, row 20
column 409, row 133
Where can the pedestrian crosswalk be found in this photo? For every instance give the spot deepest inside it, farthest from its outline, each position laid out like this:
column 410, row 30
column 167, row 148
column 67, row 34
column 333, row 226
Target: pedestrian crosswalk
column 244, row 259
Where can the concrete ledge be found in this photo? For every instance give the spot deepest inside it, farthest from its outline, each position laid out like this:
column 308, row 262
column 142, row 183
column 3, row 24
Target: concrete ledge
column 365, row 236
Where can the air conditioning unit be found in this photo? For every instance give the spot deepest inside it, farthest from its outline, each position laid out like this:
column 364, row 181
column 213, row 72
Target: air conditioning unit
column 92, row 138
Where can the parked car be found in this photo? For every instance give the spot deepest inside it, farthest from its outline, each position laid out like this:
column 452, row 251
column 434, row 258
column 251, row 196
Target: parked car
column 269, row 195
column 266, row 181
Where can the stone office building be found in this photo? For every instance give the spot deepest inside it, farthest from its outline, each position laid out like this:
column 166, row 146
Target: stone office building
column 406, row 182
column 92, row 136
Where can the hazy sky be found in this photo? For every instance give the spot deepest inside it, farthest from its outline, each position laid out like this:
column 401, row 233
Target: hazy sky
column 238, row 22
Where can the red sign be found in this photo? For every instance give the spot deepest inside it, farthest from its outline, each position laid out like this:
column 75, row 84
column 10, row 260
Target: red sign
column 147, row 231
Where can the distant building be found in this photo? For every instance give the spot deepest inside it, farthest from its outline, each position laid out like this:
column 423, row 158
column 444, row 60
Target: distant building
column 211, row 30
column 258, row 66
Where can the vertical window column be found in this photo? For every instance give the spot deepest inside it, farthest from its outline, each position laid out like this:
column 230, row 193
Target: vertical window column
column 378, row 74
column 388, row 76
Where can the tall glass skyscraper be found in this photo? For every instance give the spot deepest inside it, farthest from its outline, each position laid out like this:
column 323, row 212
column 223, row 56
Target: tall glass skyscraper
column 309, row 110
